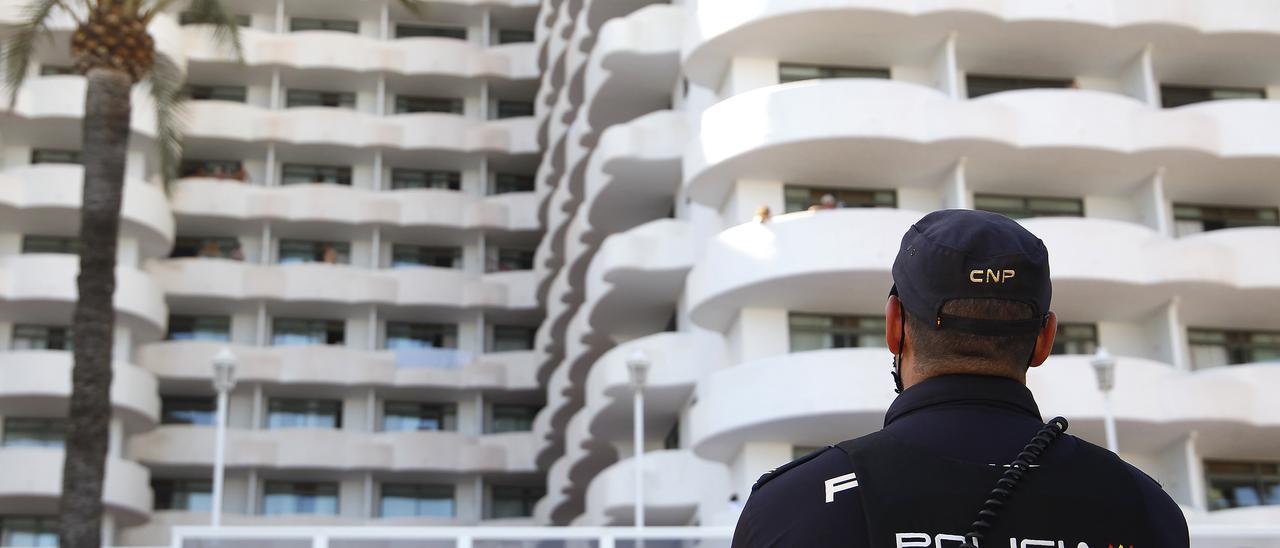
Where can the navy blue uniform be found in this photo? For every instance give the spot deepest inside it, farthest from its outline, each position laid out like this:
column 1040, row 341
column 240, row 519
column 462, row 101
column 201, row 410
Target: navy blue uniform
column 959, row 421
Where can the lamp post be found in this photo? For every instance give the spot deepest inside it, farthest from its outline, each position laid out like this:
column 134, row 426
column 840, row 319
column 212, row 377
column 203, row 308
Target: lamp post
column 224, row 379
column 638, row 367
column 1104, row 366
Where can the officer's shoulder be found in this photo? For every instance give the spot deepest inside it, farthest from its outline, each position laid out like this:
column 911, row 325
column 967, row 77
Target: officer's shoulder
column 814, row 464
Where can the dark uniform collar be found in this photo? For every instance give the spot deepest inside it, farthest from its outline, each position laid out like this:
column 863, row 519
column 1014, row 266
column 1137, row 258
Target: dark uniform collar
column 983, row 390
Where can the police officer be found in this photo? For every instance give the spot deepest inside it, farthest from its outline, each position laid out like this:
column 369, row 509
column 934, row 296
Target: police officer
column 964, row 458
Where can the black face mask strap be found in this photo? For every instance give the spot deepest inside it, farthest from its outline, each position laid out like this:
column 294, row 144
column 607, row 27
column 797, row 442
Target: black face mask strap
column 897, row 358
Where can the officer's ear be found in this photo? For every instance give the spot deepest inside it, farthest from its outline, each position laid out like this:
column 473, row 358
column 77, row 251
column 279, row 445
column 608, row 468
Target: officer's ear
column 893, row 325
column 1044, row 340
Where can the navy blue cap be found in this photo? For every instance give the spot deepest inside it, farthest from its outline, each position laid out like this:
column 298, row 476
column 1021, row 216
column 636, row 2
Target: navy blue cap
column 966, row 254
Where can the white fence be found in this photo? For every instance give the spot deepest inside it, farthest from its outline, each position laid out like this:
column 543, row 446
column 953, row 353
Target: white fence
column 1202, row 536
column 451, row 537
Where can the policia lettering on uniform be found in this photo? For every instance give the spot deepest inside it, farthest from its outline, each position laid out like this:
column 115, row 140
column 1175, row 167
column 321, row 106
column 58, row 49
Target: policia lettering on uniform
column 964, row 457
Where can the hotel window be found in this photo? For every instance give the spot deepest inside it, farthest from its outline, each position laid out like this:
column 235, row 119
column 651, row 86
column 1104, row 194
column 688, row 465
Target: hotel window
column 425, row 178
column 407, row 416
column 234, row 94
column 297, row 332
column 421, row 335
column 187, row 410
column 406, row 104
column 310, row 251
column 511, row 337
column 430, row 31
column 34, row 432
column 1193, row 219
column 408, row 256
column 28, row 531
column 510, row 182
column 503, row 259
column 41, row 337
column 57, row 70
column 54, row 156
column 301, row 174
column 1075, row 338
column 1024, row 207
column 188, row 18
column 796, row 72
column 50, row 244
column 980, row 84
column 298, row 24
column 511, row 418
column 513, row 109
column 199, row 328
column 510, row 501
column 212, row 247
column 801, row 198
column 303, row 413
column 822, row 331
column 513, row 36
column 299, row 497
column 182, row 494
column 217, row 169
column 297, row 98
column 1241, row 484
column 1217, row 348
column 405, row 500
column 1176, row 96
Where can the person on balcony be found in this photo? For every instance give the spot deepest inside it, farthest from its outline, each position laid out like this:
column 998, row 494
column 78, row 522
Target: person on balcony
column 963, row 458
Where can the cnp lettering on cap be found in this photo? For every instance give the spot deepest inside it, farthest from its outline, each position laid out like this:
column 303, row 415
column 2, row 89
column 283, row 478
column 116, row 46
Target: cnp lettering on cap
column 979, row 276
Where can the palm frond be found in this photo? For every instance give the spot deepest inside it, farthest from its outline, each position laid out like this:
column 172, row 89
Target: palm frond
column 165, row 82
column 416, row 7
column 20, row 47
column 225, row 30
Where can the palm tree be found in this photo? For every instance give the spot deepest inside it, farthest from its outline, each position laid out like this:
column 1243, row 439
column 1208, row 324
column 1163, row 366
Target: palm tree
column 114, row 51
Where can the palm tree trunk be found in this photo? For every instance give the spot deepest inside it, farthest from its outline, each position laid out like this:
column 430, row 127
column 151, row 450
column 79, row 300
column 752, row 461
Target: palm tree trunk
column 105, row 143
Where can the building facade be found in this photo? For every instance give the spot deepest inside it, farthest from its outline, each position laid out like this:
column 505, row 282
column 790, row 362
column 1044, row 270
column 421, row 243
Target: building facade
column 355, row 219
column 691, row 147
column 434, row 242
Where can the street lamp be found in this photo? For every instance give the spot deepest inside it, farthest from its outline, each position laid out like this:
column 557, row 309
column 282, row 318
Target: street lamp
column 638, row 368
column 1104, row 366
column 224, row 379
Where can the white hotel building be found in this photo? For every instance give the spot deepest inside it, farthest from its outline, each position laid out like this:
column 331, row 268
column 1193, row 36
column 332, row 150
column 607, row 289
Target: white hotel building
column 433, row 244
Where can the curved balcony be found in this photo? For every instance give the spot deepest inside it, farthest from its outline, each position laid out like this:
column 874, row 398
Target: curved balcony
column 775, row 399
column 635, row 65
column 1230, row 407
column 634, row 171
column 306, row 448
column 37, row 485
column 333, row 126
column 903, row 134
column 342, row 366
column 678, row 360
column 37, row 282
column 1105, row 30
column 1219, row 275
column 426, row 208
column 1102, row 269
column 788, row 263
column 52, row 193
column 343, row 284
column 640, row 271
column 668, row 498
column 1155, row 405
column 39, row 382
column 362, row 54
column 61, row 97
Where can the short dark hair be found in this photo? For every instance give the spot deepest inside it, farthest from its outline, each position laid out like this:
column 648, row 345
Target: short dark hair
column 939, row 351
